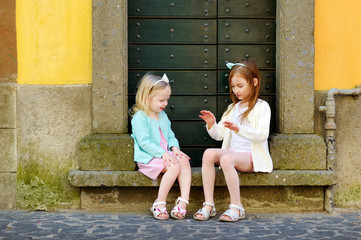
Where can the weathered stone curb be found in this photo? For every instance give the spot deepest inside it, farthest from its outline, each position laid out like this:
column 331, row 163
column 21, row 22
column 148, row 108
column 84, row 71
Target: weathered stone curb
column 136, row 179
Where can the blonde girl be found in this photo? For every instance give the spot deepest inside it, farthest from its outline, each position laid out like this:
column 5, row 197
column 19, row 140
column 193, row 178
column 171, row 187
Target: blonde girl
column 244, row 129
column 156, row 150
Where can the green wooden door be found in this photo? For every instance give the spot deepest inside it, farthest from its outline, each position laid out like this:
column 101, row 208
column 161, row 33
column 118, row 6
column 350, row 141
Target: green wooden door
column 191, row 41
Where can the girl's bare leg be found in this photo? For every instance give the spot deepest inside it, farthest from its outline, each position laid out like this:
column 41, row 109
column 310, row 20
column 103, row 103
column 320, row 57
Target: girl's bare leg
column 210, row 157
column 184, row 180
column 168, row 179
column 230, row 163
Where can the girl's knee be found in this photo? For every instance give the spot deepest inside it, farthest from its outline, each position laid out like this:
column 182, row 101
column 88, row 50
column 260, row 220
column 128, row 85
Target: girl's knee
column 226, row 162
column 174, row 167
column 184, row 162
column 208, row 156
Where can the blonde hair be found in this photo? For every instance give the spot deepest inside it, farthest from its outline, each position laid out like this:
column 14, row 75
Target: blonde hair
column 249, row 72
column 147, row 87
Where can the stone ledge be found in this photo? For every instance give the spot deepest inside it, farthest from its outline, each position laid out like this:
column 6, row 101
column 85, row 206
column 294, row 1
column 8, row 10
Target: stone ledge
column 79, row 178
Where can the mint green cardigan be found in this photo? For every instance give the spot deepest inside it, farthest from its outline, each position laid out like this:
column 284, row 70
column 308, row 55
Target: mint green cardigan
column 145, row 132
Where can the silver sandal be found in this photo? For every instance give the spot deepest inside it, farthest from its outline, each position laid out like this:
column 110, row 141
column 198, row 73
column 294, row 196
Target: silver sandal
column 206, row 214
column 178, row 209
column 157, row 211
column 234, row 216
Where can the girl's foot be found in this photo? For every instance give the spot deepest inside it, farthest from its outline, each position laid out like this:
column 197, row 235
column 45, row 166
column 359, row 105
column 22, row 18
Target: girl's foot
column 179, row 211
column 208, row 210
column 159, row 211
column 233, row 214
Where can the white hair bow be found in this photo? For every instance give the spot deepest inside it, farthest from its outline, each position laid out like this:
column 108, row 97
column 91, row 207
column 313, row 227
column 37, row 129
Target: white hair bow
column 163, row 79
column 230, row 65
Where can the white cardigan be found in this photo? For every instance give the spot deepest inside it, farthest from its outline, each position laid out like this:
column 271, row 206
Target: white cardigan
column 259, row 118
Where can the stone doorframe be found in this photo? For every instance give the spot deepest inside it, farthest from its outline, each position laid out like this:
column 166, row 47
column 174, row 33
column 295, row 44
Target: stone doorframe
column 294, row 66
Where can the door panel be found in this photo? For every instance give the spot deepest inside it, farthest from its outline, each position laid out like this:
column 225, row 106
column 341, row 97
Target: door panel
column 192, row 134
column 250, row 31
column 172, row 8
column 181, row 82
column 246, row 8
column 263, row 55
column 172, row 57
column 188, row 108
column 192, row 31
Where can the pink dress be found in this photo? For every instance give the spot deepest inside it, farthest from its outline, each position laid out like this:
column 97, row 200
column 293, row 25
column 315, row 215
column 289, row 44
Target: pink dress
column 155, row 166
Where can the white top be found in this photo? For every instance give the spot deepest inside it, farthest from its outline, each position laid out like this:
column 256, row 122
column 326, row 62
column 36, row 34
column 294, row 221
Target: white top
column 238, row 143
column 259, row 119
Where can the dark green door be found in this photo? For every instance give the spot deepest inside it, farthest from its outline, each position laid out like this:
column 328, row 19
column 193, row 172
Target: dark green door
column 191, row 41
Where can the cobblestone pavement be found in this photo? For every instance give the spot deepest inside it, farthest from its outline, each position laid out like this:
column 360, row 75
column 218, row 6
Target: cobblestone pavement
column 85, row 225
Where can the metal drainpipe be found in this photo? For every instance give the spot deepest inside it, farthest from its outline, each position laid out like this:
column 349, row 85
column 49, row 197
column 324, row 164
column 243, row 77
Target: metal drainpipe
column 330, row 126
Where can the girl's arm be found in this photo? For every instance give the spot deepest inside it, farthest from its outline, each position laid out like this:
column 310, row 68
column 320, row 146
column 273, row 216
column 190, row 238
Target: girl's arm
column 141, row 133
column 216, row 131
column 261, row 132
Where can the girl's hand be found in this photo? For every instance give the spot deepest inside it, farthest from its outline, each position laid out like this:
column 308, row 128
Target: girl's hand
column 231, row 125
column 179, row 154
column 208, row 117
column 168, row 158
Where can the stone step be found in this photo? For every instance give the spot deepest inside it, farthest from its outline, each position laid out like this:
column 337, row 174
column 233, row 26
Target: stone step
column 300, row 182
column 279, row 191
column 79, row 178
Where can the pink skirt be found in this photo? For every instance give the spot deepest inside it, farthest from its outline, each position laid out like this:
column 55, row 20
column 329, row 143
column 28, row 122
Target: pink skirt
column 153, row 168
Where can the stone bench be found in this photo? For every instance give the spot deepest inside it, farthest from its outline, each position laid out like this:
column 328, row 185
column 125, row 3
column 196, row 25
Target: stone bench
column 79, row 178
column 107, row 171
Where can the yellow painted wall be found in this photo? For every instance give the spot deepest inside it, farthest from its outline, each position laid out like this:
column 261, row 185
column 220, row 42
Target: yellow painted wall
column 54, row 41
column 337, row 44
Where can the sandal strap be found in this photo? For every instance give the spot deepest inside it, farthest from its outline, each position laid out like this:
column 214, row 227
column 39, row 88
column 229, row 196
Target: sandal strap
column 203, row 212
column 209, row 204
column 231, row 214
column 181, row 199
column 179, row 210
column 236, row 207
column 159, row 203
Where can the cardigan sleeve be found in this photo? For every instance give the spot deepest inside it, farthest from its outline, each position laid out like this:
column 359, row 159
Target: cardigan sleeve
column 141, row 134
column 262, row 118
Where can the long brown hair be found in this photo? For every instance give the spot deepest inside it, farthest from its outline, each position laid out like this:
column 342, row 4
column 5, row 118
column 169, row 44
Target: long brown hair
column 248, row 72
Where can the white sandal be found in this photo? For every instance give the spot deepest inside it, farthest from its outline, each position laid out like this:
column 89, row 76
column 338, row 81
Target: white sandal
column 178, row 209
column 157, row 211
column 234, row 216
column 205, row 213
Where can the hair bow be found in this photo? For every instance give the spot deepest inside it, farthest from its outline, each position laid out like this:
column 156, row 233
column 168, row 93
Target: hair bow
column 163, row 79
column 230, row 65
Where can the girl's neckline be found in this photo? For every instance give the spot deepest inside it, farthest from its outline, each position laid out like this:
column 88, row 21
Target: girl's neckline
column 151, row 117
column 240, row 105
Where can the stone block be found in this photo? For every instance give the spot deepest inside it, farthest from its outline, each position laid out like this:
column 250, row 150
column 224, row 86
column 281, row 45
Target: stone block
column 51, row 120
column 110, row 67
column 260, row 199
column 7, row 106
column 8, row 191
column 298, row 152
column 295, row 55
column 107, row 152
column 8, row 162
column 136, row 179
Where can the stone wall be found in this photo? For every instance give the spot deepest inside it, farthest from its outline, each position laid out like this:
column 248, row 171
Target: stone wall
column 51, row 122
column 348, row 147
column 8, row 163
